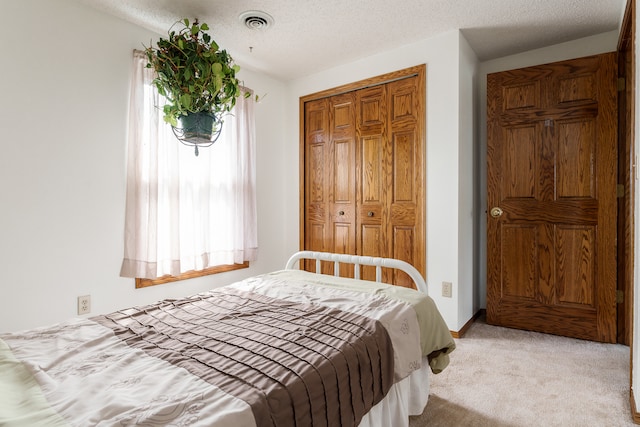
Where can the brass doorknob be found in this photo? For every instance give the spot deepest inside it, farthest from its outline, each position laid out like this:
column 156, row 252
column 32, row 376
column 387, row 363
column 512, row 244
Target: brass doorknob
column 370, row 213
column 496, row 212
column 341, row 213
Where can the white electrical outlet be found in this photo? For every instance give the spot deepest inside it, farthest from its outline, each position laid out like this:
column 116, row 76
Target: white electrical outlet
column 447, row 289
column 84, row 304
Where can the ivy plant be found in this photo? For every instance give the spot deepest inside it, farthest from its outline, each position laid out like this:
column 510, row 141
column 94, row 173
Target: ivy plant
column 193, row 73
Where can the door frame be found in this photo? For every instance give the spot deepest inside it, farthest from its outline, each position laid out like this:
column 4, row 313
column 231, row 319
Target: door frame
column 627, row 170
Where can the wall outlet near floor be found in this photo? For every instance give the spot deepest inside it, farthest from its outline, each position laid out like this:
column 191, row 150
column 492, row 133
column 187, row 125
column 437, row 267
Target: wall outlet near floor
column 84, row 304
column 447, row 289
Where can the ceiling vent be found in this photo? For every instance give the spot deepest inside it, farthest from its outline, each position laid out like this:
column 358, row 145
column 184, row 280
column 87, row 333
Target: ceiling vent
column 256, row 20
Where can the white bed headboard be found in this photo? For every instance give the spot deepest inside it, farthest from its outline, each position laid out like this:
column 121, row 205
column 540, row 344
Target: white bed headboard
column 357, row 261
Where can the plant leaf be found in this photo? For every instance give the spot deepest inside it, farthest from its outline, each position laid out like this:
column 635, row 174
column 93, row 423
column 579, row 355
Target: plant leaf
column 185, row 100
column 216, row 68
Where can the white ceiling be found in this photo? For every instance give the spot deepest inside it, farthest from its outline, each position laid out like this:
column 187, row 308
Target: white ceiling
column 311, row 35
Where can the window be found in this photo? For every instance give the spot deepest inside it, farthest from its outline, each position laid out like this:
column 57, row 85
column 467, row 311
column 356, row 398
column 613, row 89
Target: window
column 186, row 213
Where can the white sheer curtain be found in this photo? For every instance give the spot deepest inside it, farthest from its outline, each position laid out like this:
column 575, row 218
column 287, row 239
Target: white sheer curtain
column 185, row 212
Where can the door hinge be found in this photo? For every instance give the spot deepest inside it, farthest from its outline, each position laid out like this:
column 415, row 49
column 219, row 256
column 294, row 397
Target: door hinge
column 619, row 297
column 622, row 84
column 620, row 190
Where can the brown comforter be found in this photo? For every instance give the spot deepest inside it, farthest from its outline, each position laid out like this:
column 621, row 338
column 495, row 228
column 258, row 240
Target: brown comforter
column 294, row 363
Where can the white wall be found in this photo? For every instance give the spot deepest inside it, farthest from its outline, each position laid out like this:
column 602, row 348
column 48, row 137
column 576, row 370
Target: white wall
column 447, row 183
column 64, row 82
column 468, row 216
column 601, row 43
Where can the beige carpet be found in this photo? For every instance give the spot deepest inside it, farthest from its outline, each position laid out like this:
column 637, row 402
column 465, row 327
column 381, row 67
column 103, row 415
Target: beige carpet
column 503, row 377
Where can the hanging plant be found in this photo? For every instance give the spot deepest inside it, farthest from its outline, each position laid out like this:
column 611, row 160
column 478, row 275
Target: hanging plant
column 193, row 74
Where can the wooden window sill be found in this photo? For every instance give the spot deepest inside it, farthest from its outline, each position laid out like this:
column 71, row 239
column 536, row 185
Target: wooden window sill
column 143, row 283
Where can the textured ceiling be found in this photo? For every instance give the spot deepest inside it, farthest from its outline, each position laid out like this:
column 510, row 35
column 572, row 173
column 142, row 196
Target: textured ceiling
column 311, row 35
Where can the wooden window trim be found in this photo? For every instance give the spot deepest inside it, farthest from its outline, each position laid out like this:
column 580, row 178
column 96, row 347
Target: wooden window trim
column 143, row 283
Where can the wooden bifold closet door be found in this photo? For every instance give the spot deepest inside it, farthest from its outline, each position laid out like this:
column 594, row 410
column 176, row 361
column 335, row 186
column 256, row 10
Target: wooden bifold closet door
column 363, row 172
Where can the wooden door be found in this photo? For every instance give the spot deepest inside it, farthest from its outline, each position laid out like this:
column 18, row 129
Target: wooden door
column 406, row 203
column 373, row 159
column 316, row 179
column 316, row 194
column 363, row 160
column 551, row 194
column 390, row 204
column 342, row 171
column 329, row 171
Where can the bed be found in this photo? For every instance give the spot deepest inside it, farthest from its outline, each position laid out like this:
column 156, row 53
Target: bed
column 287, row 348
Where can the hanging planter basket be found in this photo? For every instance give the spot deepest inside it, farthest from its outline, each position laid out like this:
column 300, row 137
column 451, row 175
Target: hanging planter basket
column 200, row 129
column 198, row 80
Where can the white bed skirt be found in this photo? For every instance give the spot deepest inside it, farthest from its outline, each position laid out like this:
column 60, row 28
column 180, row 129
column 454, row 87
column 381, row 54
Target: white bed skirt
column 405, row 398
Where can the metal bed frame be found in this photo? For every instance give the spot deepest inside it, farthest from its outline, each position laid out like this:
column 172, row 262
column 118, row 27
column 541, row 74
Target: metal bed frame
column 357, row 261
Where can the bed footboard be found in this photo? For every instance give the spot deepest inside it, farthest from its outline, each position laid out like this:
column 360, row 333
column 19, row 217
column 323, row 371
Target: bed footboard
column 358, row 260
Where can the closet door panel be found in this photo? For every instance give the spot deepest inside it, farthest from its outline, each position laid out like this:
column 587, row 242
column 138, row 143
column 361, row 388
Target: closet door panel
column 343, row 162
column 404, row 169
column 343, row 242
column 404, row 101
column 318, row 235
column 403, row 248
column 343, row 194
column 372, row 180
column 371, row 244
column 371, row 149
column 403, row 180
column 342, row 181
column 405, row 218
column 371, row 108
column 364, row 171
